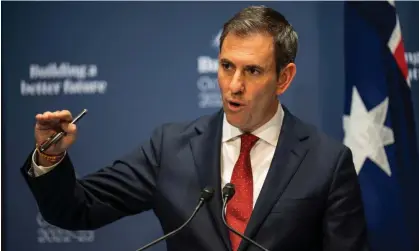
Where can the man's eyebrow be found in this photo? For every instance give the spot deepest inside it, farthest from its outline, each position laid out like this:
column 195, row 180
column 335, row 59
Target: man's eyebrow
column 255, row 66
column 224, row 60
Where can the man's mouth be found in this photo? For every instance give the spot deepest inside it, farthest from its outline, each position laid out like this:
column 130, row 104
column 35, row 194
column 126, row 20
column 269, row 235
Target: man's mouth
column 235, row 106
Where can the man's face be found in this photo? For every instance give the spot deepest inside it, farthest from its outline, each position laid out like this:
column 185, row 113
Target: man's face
column 248, row 80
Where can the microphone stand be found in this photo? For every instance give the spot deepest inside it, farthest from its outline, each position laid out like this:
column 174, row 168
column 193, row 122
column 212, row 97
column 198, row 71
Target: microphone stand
column 228, row 193
column 206, row 195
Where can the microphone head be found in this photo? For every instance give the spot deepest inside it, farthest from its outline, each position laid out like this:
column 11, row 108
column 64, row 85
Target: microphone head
column 207, row 193
column 229, row 190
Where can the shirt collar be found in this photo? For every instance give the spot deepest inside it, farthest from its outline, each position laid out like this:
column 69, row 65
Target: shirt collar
column 268, row 132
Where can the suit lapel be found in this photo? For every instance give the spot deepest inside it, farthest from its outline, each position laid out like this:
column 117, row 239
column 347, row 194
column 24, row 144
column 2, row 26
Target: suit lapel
column 287, row 158
column 206, row 150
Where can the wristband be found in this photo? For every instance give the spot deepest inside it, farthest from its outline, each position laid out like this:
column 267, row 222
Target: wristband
column 50, row 158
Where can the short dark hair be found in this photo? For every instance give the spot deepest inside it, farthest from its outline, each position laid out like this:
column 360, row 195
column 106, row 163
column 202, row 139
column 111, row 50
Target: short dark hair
column 261, row 19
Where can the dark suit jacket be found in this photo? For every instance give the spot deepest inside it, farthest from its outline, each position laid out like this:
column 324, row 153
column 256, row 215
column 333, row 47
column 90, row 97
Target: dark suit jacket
column 310, row 200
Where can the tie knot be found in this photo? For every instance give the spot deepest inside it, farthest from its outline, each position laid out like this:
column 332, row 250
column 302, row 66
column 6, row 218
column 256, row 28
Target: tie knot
column 247, row 142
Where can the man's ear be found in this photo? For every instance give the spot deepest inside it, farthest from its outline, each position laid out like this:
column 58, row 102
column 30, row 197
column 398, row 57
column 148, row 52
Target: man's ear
column 285, row 78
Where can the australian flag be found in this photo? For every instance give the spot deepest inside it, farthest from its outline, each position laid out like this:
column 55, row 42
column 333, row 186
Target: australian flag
column 379, row 127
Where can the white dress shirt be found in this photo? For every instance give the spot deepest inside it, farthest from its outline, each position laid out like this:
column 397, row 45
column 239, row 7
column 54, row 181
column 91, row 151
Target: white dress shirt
column 261, row 154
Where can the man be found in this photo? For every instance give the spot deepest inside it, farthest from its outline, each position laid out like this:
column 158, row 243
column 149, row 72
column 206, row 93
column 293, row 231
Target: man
column 296, row 189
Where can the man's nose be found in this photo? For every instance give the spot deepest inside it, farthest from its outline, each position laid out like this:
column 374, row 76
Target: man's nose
column 237, row 83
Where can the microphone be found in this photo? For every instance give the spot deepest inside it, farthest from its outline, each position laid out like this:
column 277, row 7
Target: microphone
column 228, row 193
column 206, row 195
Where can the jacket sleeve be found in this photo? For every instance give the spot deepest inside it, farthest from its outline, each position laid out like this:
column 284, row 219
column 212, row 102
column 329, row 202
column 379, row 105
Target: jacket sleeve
column 344, row 222
column 124, row 188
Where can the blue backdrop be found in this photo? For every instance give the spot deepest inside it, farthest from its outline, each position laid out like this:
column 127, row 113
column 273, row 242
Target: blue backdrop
column 135, row 65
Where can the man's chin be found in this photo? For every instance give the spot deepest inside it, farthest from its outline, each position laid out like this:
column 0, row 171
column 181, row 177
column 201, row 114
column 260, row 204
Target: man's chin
column 235, row 120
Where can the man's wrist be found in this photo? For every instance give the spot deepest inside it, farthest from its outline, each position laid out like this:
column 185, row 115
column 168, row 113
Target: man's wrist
column 48, row 159
column 41, row 166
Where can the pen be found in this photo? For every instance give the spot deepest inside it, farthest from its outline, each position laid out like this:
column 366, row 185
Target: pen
column 58, row 136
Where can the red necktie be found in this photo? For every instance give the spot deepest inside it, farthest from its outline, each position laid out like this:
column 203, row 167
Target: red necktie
column 240, row 206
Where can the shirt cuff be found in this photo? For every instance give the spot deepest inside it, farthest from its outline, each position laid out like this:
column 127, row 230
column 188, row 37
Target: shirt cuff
column 36, row 170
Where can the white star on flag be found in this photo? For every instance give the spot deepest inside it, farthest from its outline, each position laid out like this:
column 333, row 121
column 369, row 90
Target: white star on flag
column 365, row 133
